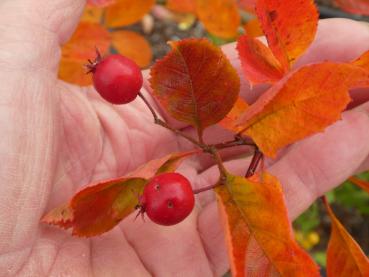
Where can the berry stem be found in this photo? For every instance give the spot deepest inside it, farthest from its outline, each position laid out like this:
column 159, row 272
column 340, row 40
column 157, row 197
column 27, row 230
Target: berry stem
column 196, row 191
column 258, row 155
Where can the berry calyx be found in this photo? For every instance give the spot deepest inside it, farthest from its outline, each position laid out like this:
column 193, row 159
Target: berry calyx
column 167, row 199
column 116, row 78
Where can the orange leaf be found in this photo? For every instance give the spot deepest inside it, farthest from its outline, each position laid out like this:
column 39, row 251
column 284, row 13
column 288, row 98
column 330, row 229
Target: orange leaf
column 168, row 163
column 126, row 12
column 289, row 27
column 363, row 61
column 344, row 255
column 303, row 103
column 258, row 62
column 101, row 206
column 133, row 46
column 195, row 83
column 220, row 17
column 253, row 28
column 230, row 121
column 182, row 6
column 256, row 210
column 79, row 49
column 92, row 14
column 360, row 183
column 100, row 3
column 354, row 6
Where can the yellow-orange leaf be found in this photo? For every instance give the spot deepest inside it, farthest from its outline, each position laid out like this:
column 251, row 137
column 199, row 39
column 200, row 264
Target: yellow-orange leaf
column 360, row 183
column 220, row 17
column 363, row 61
column 133, row 46
column 354, row 6
column 230, row 121
column 253, row 28
column 289, row 27
column 182, row 6
column 92, row 14
column 258, row 62
column 101, row 206
column 195, row 83
column 301, row 104
column 126, row 12
column 344, row 255
column 257, row 210
column 79, row 49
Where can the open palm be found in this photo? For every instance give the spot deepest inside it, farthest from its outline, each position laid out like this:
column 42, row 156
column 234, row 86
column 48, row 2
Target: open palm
column 57, row 138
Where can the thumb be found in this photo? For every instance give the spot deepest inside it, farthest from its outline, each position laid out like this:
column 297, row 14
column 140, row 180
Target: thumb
column 32, row 31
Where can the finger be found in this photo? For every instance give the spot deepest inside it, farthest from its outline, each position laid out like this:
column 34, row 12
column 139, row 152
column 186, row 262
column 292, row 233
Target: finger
column 33, row 30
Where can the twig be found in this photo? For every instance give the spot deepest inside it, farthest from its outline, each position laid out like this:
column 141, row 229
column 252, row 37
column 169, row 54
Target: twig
column 254, row 163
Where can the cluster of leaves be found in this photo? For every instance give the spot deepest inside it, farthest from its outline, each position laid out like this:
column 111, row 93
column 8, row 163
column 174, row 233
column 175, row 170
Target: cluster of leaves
column 196, row 84
column 102, row 26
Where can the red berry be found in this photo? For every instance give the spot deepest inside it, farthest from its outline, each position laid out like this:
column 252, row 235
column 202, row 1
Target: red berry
column 167, row 199
column 116, row 78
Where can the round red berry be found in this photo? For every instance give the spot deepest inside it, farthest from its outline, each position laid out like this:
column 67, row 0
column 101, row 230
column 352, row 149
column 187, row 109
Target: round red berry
column 116, row 78
column 167, row 199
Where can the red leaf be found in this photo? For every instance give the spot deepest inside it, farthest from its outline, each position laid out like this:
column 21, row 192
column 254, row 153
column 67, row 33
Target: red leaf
column 99, row 207
column 258, row 62
column 344, row 255
column 360, row 183
column 289, row 27
column 303, row 103
column 354, row 6
column 255, row 213
column 195, row 83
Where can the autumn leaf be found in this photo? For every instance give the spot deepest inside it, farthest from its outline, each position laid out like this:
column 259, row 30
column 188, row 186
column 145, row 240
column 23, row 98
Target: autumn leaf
column 344, row 255
column 301, row 104
column 363, row 61
column 168, row 163
column 79, row 49
column 258, row 62
column 133, row 46
column 360, row 183
column 101, row 206
column 100, row 3
column 92, row 14
column 181, row 6
column 230, row 120
column 255, row 211
column 354, row 6
column 220, row 17
column 289, row 27
column 126, row 12
column 253, row 28
column 195, row 83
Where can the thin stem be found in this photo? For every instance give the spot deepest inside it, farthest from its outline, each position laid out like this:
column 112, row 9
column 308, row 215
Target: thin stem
column 196, row 191
column 223, row 172
column 162, row 123
column 232, row 143
column 254, row 163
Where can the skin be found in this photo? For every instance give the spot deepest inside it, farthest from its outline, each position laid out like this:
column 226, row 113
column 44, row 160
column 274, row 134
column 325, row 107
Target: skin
column 57, row 138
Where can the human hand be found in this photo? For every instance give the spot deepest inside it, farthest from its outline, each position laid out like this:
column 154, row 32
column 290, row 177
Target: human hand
column 57, row 138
